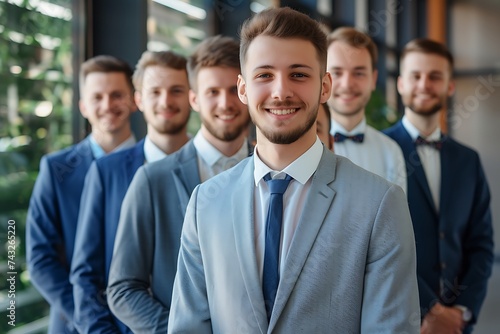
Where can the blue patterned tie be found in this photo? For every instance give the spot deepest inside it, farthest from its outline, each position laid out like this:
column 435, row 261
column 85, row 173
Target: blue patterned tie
column 339, row 137
column 271, row 277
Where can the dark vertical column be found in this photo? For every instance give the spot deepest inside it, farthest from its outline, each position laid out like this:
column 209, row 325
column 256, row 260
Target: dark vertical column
column 78, row 8
column 436, row 29
column 118, row 28
column 411, row 24
column 225, row 17
column 304, row 6
column 343, row 14
column 379, row 16
column 343, row 11
column 408, row 20
column 422, row 28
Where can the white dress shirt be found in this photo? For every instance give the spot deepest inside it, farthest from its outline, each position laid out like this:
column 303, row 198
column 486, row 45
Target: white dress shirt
column 430, row 158
column 211, row 161
column 152, row 152
column 294, row 199
column 97, row 150
column 377, row 153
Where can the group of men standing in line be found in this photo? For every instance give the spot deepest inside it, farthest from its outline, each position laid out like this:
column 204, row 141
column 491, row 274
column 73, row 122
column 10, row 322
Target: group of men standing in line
column 165, row 235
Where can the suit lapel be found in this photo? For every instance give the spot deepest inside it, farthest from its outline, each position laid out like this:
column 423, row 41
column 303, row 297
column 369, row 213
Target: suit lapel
column 446, row 189
column 82, row 152
column 244, row 233
column 186, row 175
column 315, row 210
column 135, row 159
column 415, row 169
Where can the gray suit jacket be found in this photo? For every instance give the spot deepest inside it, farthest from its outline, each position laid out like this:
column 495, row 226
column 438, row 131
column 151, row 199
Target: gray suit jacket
column 148, row 239
column 351, row 266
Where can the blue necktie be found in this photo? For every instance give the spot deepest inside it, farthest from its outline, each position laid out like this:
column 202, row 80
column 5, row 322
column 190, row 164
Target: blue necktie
column 271, row 277
column 339, row 137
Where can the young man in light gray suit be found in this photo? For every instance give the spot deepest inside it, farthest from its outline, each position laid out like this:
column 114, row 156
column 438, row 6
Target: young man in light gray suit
column 346, row 261
column 148, row 237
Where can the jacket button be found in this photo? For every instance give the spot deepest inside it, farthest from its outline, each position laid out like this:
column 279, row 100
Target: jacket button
column 443, row 265
column 441, row 235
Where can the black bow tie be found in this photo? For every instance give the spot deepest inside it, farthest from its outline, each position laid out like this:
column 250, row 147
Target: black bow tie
column 339, row 137
column 437, row 144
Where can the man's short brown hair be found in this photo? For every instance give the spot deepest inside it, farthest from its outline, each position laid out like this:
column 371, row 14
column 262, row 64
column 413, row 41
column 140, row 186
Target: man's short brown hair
column 356, row 39
column 428, row 46
column 157, row 58
column 216, row 51
column 283, row 23
column 105, row 64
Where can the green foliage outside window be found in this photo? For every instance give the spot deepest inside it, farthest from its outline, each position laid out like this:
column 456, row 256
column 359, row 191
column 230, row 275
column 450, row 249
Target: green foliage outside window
column 35, row 118
column 378, row 113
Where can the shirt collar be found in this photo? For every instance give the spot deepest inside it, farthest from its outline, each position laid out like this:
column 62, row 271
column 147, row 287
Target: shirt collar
column 98, row 151
column 301, row 169
column 414, row 133
column 358, row 129
column 152, row 152
column 212, row 155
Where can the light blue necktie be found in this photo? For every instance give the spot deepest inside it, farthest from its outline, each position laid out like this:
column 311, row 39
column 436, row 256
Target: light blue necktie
column 271, row 277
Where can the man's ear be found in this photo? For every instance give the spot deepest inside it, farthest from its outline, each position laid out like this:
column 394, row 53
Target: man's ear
column 138, row 100
column 326, row 87
column 451, row 88
column 242, row 89
column 400, row 85
column 83, row 109
column 193, row 100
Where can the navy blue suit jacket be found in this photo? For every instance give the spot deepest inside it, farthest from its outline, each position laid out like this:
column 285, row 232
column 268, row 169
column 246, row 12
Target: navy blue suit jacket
column 455, row 244
column 51, row 227
column 106, row 184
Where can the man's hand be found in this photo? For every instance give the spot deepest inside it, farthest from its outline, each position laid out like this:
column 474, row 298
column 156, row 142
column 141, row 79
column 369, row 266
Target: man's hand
column 443, row 320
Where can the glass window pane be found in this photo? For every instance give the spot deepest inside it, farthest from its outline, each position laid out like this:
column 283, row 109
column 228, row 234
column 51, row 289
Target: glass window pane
column 35, row 118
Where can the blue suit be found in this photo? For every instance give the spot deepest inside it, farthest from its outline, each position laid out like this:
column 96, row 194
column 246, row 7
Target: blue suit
column 105, row 186
column 147, row 242
column 51, row 228
column 455, row 243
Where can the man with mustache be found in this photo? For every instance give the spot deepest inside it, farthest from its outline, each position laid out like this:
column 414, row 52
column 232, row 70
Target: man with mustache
column 352, row 57
column 448, row 195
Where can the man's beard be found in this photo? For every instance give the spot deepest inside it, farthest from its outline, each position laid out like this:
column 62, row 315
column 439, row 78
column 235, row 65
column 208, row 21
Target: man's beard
column 432, row 110
column 226, row 135
column 291, row 136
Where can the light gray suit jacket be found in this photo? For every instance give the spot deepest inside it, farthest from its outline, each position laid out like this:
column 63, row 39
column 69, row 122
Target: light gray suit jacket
column 148, row 239
column 351, row 266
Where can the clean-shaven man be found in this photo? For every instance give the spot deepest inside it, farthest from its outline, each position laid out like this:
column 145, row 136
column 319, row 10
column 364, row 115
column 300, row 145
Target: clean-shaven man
column 106, row 102
column 352, row 57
